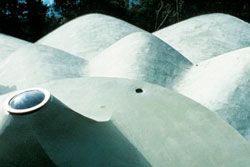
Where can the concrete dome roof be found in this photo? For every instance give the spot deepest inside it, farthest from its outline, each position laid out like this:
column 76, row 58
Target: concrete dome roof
column 33, row 64
column 120, row 122
column 88, row 35
column 8, row 45
column 140, row 56
column 183, row 132
column 222, row 84
column 55, row 135
column 207, row 36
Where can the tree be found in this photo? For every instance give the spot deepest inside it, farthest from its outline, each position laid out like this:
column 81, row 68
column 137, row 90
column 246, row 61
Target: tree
column 71, row 9
column 156, row 13
column 23, row 19
column 9, row 22
column 36, row 19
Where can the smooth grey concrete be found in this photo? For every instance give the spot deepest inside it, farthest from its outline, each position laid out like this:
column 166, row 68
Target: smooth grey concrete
column 6, row 89
column 88, row 35
column 167, row 128
column 57, row 136
column 222, row 84
column 206, row 36
column 140, row 56
column 18, row 146
column 34, row 64
column 8, row 45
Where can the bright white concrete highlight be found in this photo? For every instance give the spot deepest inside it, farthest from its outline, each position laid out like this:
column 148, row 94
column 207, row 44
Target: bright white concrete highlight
column 88, row 35
column 140, row 56
column 222, row 84
column 207, row 36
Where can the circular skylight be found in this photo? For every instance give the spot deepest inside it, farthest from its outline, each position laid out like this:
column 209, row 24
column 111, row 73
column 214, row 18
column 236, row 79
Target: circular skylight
column 27, row 101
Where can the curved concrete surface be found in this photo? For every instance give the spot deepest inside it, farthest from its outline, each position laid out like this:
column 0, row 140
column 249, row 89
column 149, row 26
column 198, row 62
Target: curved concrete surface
column 8, row 45
column 57, row 136
column 140, row 56
column 222, row 84
column 120, row 122
column 6, row 89
column 35, row 64
column 88, row 35
column 206, row 36
column 168, row 129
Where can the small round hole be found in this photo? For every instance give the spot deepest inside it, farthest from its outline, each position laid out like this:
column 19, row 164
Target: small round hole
column 138, row 90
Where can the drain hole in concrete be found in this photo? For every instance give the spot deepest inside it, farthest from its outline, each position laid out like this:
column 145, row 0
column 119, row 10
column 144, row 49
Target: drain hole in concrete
column 138, row 90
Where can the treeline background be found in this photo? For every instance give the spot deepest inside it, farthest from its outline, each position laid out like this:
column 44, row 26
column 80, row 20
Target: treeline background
column 32, row 19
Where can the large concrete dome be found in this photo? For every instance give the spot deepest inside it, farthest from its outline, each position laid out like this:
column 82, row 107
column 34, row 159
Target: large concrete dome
column 140, row 56
column 54, row 135
column 222, row 84
column 35, row 64
column 156, row 127
column 88, row 35
column 206, row 36
column 8, row 45
column 168, row 129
